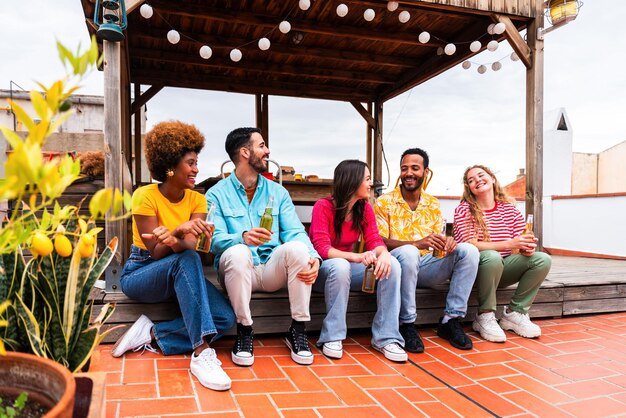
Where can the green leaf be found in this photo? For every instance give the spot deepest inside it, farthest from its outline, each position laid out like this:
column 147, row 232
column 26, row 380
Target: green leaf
column 39, row 105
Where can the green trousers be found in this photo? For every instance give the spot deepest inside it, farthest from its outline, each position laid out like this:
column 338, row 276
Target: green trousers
column 495, row 272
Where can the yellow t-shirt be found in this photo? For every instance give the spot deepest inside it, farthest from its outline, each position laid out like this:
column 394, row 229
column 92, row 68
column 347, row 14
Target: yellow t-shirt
column 396, row 220
column 149, row 201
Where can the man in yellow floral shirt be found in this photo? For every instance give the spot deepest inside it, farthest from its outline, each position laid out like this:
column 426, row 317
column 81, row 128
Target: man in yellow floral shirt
column 409, row 221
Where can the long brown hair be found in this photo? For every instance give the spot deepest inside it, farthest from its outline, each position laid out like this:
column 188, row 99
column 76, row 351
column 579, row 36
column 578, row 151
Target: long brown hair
column 348, row 177
column 478, row 218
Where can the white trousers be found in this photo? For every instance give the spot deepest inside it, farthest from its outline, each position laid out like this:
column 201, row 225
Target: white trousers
column 240, row 278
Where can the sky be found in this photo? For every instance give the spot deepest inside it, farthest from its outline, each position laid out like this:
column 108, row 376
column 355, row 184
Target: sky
column 460, row 117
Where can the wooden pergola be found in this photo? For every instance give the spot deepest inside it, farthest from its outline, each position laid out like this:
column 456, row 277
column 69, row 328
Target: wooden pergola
column 324, row 56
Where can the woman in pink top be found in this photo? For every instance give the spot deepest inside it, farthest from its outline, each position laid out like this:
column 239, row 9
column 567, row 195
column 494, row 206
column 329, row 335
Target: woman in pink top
column 336, row 225
column 487, row 218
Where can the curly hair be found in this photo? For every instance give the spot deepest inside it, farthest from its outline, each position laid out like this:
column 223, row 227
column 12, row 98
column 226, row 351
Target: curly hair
column 167, row 143
column 91, row 163
column 478, row 219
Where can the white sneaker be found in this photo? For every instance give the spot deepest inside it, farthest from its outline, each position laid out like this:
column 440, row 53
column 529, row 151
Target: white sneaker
column 207, row 368
column 487, row 325
column 393, row 352
column 137, row 337
column 519, row 323
column 333, row 349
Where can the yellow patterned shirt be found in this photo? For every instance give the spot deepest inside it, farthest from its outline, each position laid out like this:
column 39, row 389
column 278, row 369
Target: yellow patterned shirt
column 396, row 220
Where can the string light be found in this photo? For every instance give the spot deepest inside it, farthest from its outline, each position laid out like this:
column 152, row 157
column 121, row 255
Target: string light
column 495, row 66
column 369, row 15
column 304, row 4
column 284, row 26
column 264, row 44
column 146, row 11
column 424, row 37
column 392, row 6
column 235, row 55
column 499, row 28
column 404, row 16
column 482, row 69
column 475, row 46
column 450, row 49
column 206, row 52
column 342, row 10
column 492, row 45
column 173, row 36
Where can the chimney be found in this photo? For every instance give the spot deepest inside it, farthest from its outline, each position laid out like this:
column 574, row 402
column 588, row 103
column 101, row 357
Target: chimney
column 521, row 174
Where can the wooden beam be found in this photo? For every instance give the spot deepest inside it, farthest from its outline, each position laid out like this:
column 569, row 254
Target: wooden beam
column 515, row 39
column 278, row 88
column 364, row 113
column 261, row 67
column 378, row 147
column 369, row 137
column 137, row 148
column 534, row 124
column 132, row 5
column 262, row 116
column 145, row 97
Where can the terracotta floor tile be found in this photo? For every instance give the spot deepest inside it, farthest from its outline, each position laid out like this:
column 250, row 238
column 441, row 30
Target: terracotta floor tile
column 445, row 356
column 238, row 373
column 112, row 409
column 304, row 379
column 138, row 371
column 573, row 336
column 113, row 378
column 617, row 380
column 374, row 364
column 549, row 377
column 415, row 394
column 488, row 371
column 490, row 357
column 536, row 345
column 583, row 372
column 270, row 341
column 371, row 382
column 206, row 415
column 490, row 400
column 348, row 391
column 103, row 361
column 394, row 403
column 174, row 383
column 353, row 412
column 597, row 407
column 535, row 405
column 336, row 371
column 418, row 376
column 436, row 409
column 589, row 389
column 167, row 363
column 256, row 406
column 212, row 400
column 135, row 391
column 577, row 346
column 578, row 358
column 146, row 407
column 447, row 374
column 538, row 389
column 262, row 351
column 286, row 361
column 354, row 349
column 546, row 362
column 459, row 403
column 299, row 413
column 482, row 345
column 562, row 327
column 305, row 399
column 498, row 385
column 262, row 386
column 620, row 397
column 266, row 368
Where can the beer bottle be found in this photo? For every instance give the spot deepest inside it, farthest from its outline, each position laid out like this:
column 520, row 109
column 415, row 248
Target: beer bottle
column 204, row 242
column 529, row 225
column 441, row 253
column 369, row 280
column 266, row 219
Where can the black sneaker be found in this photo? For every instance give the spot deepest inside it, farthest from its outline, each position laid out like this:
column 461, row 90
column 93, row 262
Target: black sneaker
column 453, row 332
column 243, row 349
column 412, row 341
column 297, row 341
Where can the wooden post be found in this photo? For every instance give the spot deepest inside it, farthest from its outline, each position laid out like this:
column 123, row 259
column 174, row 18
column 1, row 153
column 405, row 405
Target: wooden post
column 113, row 158
column 368, row 138
column 534, row 123
column 138, row 147
column 262, row 116
column 378, row 148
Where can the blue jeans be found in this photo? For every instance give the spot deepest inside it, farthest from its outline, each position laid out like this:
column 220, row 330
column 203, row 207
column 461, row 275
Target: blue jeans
column 427, row 271
column 336, row 278
column 205, row 311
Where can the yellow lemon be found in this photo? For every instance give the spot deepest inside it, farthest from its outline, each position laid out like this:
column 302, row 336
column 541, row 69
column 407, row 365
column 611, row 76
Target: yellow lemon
column 88, row 239
column 84, row 248
column 62, row 245
column 41, row 244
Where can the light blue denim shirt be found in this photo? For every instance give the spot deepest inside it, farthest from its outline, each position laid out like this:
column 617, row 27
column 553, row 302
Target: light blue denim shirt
column 234, row 215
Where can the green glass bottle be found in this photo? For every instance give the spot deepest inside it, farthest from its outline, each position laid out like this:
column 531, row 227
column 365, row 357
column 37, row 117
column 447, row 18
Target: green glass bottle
column 266, row 219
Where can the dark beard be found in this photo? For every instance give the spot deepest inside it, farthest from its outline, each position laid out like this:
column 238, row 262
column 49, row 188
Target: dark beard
column 418, row 184
column 259, row 164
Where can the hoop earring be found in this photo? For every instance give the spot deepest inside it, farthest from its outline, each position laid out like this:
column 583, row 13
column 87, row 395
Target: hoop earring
column 169, row 172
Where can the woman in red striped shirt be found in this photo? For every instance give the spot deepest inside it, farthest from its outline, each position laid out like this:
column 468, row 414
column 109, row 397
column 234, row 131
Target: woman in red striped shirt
column 488, row 218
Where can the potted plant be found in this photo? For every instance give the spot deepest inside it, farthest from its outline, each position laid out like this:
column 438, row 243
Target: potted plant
column 45, row 298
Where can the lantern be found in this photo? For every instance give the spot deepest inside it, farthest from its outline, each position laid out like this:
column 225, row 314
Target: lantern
column 561, row 12
column 110, row 18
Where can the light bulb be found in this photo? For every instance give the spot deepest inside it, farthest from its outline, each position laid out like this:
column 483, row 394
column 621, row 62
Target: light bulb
column 146, row 11
column 496, row 66
column 264, row 44
column 440, row 51
column 424, row 37
column 173, row 36
column 492, row 45
column 482, row 69
column 206, row 52
column 235, row 55
column 369, row 15
column 304, row 4
column 499, row 28
column 404, row 16
column 514, row 56
column 466, row 65
column 490, row 28
column 342, row 10
column 284, row 26
column 392, row 6
column 475, row 46
column 450, row 49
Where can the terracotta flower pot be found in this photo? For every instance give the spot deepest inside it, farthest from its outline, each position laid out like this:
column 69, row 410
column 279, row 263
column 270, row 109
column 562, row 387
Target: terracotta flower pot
column 46, row 381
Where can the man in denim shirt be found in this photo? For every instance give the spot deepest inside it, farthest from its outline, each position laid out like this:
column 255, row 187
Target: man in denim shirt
column 253, row 259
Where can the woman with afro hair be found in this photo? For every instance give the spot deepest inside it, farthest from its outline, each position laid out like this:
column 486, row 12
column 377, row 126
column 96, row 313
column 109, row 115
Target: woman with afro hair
column 168, row 217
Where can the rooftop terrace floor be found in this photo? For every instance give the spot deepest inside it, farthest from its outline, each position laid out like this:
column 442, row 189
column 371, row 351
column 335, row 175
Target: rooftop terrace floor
column 576, row 368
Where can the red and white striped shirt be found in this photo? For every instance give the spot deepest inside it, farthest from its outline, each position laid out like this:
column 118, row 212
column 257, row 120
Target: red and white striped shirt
column 504, row 222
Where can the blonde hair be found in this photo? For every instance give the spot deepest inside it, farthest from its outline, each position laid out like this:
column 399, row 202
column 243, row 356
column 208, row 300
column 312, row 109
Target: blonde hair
column 476, row 213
